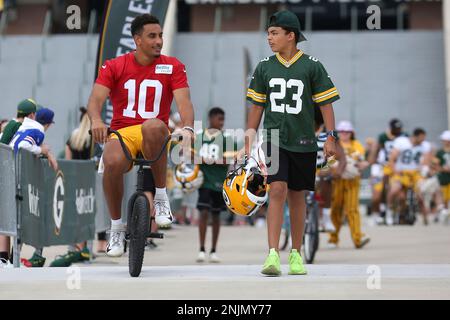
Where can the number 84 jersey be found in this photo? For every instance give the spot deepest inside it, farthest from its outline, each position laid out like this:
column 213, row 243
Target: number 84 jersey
column 410, row 155
column 141, row 92
column 289, row 91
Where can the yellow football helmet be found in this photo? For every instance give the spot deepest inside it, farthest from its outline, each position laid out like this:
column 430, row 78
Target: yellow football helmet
column 245, row 189
column 188, row 177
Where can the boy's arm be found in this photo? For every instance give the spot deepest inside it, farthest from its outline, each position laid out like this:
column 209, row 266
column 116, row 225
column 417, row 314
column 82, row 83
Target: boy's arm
column 254, row 118
column 329, row 147
column 30, row 147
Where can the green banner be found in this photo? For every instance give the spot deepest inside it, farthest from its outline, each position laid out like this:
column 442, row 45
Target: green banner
column 57, row 208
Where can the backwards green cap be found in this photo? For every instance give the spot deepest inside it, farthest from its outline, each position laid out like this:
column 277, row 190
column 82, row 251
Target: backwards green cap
column 27, row 106
column 286, row 19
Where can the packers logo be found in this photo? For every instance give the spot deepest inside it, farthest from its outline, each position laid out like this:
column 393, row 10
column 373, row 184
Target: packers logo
column 58, row 202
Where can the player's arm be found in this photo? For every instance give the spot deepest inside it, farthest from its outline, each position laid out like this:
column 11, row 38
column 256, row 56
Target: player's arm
column 185, row 108
column 393, row 158
column 373, row 153
column 96, row 101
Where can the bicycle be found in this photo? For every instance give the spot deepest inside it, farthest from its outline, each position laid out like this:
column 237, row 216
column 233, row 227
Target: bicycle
column 311, row 235
column 138, row 211
column 412, row 206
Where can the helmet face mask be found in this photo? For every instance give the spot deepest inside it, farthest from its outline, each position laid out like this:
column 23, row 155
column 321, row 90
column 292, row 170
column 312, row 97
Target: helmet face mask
column 245, row 190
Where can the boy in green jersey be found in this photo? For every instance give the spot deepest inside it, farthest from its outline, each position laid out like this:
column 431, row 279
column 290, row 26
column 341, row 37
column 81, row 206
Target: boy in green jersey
column 287, row 87
column 214, row 147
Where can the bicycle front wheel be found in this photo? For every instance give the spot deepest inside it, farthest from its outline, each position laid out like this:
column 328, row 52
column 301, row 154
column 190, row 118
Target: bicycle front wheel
column 138, row 228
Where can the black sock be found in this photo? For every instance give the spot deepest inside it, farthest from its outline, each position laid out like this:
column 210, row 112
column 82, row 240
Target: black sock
column 4, row 255
column 202, row 249
column 213, row 250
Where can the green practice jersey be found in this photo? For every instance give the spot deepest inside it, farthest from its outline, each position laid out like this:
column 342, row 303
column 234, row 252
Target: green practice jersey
column 289, row 92
column 214, row 144
column 9, row 131
column 444, row 160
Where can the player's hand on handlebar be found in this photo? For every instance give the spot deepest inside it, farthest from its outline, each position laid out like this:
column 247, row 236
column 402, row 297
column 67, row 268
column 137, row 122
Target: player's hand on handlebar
column 187, row 138
column 99, row 131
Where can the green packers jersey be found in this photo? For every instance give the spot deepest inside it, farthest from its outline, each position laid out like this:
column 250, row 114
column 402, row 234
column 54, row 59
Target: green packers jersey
column 214, row 145
column 289, row 91
column 9, row 131
column 444, row 160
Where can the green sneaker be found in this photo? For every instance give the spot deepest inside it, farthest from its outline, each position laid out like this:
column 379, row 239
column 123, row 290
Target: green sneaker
column 37, row 261
column 272, row 265
column 71, row 257
column 85, row 254
column 66, row 260
column 296, row 266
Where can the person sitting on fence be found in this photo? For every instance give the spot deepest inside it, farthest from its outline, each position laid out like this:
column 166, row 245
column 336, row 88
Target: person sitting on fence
column 25, row 109
column 30, row 136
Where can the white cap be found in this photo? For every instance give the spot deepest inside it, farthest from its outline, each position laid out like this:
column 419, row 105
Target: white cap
column 345, row 126
column 445, row 135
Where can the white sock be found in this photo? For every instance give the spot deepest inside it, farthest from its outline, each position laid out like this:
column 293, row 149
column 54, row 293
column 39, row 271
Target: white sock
column 161, row 194
column 326, row 212
column 115, row 223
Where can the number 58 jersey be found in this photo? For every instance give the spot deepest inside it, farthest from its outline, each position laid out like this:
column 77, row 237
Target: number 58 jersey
column 289, row 91
column 141, row 92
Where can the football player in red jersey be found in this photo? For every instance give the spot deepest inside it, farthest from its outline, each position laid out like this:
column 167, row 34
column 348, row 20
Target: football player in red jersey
column 141, row 86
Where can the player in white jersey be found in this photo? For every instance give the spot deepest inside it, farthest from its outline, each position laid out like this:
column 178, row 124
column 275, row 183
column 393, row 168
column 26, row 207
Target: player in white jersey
column 409, row 155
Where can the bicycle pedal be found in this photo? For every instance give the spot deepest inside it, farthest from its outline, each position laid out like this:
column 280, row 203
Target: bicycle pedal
column 156, row 235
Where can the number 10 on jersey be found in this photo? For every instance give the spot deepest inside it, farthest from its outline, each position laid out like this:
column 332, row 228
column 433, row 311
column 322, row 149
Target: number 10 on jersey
column 130, row 85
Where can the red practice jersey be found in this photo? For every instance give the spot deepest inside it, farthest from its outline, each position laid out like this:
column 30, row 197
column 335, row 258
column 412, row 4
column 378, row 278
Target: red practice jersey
column 141, row 92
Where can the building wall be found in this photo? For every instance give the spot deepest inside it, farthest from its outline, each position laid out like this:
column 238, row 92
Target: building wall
column 234, row 17
column 425, row 16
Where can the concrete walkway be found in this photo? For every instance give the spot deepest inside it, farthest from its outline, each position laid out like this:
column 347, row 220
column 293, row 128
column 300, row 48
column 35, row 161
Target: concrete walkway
column 399, row 263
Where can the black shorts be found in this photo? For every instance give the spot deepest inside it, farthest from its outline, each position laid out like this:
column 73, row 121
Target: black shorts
column 149, row 183
column 210, row 200
column 298, row 169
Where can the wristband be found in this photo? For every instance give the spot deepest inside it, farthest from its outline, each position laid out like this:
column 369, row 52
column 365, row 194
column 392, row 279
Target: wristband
column 189, row 128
